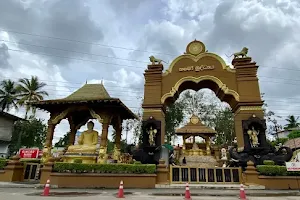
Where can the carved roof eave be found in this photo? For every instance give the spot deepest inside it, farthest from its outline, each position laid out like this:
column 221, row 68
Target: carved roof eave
column 51, row 105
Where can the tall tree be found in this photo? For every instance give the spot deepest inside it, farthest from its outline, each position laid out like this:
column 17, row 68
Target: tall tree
column 31, row 90
column 63, row 141
column 224, row 125
column 173, row 118
column 293, row 122
column 273, row 127
column 8, row 95
column 32, row 131
column 212, row 112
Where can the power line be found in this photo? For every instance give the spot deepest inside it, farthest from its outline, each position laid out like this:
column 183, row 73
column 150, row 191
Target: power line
column 72, row 58
column 96, row 61
column 122, row 90
column 54, row 48
column 83, row 42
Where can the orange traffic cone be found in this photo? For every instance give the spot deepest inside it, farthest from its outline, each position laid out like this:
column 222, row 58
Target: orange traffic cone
column 187, row 195
column 242, row 193
column 121, row 191
column 47, row 188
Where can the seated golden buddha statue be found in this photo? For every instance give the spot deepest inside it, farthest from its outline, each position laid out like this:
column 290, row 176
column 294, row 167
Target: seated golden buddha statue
column 87, row 141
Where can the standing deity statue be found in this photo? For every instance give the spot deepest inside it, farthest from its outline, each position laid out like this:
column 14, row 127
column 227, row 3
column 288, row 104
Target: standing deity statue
column 223, row 154
column 152, row 132
column 253, row 137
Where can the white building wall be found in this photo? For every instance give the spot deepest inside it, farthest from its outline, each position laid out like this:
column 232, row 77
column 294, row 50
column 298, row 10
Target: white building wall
column 6, row 128
column 4, row 149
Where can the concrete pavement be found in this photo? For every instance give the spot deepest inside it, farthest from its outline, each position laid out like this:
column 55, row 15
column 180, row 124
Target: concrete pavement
column 22, row 194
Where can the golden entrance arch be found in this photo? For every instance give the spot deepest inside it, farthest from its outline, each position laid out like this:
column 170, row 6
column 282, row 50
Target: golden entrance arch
column 197, row 69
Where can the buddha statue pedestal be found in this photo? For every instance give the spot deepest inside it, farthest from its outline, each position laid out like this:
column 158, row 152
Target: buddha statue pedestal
column 85, row 158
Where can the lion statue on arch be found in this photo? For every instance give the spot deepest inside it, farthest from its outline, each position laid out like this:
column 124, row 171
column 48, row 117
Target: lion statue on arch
column 241, row 54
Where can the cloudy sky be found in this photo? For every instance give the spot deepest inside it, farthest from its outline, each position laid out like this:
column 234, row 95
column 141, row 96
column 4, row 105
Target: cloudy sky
column 69, row 42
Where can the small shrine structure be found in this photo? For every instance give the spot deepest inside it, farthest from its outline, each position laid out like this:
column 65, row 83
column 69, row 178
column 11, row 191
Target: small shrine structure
column 193, row 151
column 91, row 101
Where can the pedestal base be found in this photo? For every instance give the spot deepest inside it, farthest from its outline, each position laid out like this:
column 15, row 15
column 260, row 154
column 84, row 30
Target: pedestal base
column 86, row 159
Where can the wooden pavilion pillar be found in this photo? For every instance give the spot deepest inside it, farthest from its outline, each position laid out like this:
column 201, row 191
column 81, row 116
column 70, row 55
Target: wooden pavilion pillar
column 117, row 147
column 207, row 142
column 72, row 134
column 102, row 158
column 48, row 144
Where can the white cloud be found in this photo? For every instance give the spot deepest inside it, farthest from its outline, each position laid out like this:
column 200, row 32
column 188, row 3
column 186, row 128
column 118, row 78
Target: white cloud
column 269, row 28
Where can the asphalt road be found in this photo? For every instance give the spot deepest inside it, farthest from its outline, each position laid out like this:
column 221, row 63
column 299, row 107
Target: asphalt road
column 32, row 194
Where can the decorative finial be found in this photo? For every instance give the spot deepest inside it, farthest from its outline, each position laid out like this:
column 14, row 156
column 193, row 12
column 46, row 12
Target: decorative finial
column 86, row 81
column 102, row 81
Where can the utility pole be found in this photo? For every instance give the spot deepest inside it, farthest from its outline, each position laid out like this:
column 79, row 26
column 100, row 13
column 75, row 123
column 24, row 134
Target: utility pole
column 127, row 129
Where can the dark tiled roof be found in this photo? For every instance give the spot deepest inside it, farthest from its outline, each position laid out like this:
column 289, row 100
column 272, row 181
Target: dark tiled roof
column 87, row 94
column 10, row 116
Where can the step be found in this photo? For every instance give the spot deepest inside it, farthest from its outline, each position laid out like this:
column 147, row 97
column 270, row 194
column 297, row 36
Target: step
column 211, row 186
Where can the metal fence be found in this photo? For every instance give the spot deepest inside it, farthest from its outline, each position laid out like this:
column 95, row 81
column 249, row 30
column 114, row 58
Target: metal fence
column 183, row 174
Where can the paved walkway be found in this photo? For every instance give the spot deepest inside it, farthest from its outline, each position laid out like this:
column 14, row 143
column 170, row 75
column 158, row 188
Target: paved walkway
column 156, row 193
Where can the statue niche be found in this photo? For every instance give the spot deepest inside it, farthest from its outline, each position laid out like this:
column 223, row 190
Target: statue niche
column 151, row 133
column 256, row 148
column 254, row 133
column 149, row 151
column 86, row 142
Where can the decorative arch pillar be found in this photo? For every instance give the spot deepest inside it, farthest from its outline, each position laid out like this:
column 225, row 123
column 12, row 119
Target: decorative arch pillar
column 250, row 103
column 244, row 113
column 153, row 108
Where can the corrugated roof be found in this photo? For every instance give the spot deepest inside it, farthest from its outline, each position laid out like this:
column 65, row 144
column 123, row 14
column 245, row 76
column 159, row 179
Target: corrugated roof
column 195, row 127
column 292, row 143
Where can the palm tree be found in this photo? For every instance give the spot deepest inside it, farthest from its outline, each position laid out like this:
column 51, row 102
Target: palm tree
column 292, row 122
column 8, row 95
column 30, row 90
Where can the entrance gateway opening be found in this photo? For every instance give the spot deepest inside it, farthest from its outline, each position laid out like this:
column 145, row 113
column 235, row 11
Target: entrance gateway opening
column 237, row 85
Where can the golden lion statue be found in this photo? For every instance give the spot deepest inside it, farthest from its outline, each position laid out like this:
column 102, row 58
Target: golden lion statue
column 241, row 54
column 155, row 61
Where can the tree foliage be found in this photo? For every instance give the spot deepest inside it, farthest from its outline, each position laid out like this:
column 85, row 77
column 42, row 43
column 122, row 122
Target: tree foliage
column 272, row 121
column 174, row 116
column 28, row 134
column 294, row 134
column 8, row 95
column 224, row 125
column 63, row 141
column 293, row 122
column 30, row 90
column 13, row 95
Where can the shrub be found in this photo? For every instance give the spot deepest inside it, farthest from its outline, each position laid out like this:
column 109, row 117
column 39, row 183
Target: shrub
column 269, row 162
column 77, row 161
column 104, row 168
column 137, row 162
column 271, row 170
column 3, row 163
